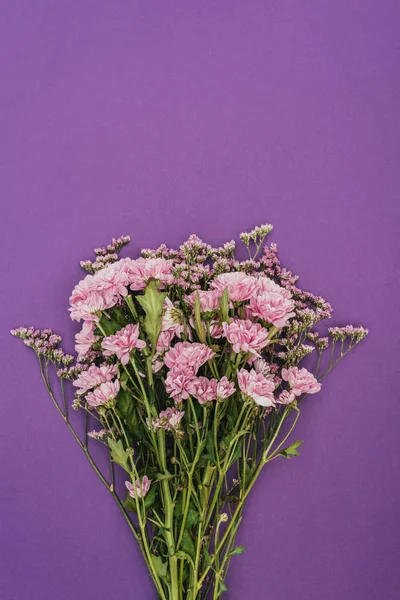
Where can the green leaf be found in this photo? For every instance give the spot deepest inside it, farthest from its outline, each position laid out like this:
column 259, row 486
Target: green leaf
column 160, row 566
column 188, row 545
column 150, row 496
column 129, row 503
column 222, row 588
column 193, row 517
column 152, row 303
column 198, row 324
column 238, row 550
column 119, row 454
column 224, row 306
column 181, row 554
column 163, row 476
column 291, row 450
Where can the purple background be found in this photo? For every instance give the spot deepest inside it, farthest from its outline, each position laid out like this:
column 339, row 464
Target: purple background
column 159, row 119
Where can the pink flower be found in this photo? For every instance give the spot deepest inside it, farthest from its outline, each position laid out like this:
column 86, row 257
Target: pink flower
column 264, row 284
column 94, row 376
column 99, row 292
column 208, row 299
column 177, row 383
column 187, row 354
column 203, row 389
column 240, row 286
column 106, row 392
column 143, row 269
column 169, row 419
column 123, row 342
column 112, row 282
column 256, row 387
column 85, row 339
column 139, row 488
column 246, row 336
column 272, row 307
column 286, row 397
column 301, row 381
column 173, row 319
column 225, row 388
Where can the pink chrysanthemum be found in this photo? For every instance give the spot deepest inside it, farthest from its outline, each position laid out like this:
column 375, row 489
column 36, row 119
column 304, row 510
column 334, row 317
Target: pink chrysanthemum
column 94, row 376
column 256, row 387
column 246, row 336
column 123, row 342
column 239, row 285
column 105, row 393
column 301, row 381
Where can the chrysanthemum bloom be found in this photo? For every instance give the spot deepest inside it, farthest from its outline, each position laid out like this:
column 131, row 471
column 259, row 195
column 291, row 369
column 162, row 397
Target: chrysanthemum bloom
column 225, row 388
column 143, row 269
column 178, row 381
column 123, row 342
column 265, row 284
column 246, row 336
column 105, row 393
column 187, row 354
column 169, row 419
column 111, row 282
column 256, row 387
column 174, row 320
column 301, row 381
column 286, row 397
column 85, row 339
column 272, row 307
column 94, row 376
column 203, row 389
column 239, row 285
column 208, row 299
column 138, row 488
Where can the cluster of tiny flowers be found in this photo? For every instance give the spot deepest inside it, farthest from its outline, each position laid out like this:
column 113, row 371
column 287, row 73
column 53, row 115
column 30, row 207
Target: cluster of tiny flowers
column 98, row 435
column 257, row 234
column 321, row 343
column 44, row 342
column 354, row 333
column 107, row 255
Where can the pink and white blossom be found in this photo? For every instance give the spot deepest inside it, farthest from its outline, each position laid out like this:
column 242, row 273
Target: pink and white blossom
column 85, row 339
column 239, row 285
column 94, row 376
column 256, row 387
column 273, row 307
column 301, row 381
column 286, row 397
column 139, row 488
column 187, row 354
column 123, row 342
column 225, row 388
column 144, row 269
column 203, row 389
column 246, row 336
column 208, row 300
column 105, row 393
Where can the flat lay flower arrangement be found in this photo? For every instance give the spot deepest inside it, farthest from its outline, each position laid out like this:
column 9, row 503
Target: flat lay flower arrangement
column 187, row 372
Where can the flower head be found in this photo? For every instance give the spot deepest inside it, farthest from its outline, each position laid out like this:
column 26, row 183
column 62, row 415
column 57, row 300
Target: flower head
column 239, row 285
column 123, row 342
column 246, row 336
column 139, row 488
column 273, row 307
column 104, row 394
column 301, row 381
column 256, row 387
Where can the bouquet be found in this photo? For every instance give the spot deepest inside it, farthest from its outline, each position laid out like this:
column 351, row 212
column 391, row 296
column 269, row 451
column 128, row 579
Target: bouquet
column 187, row 373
